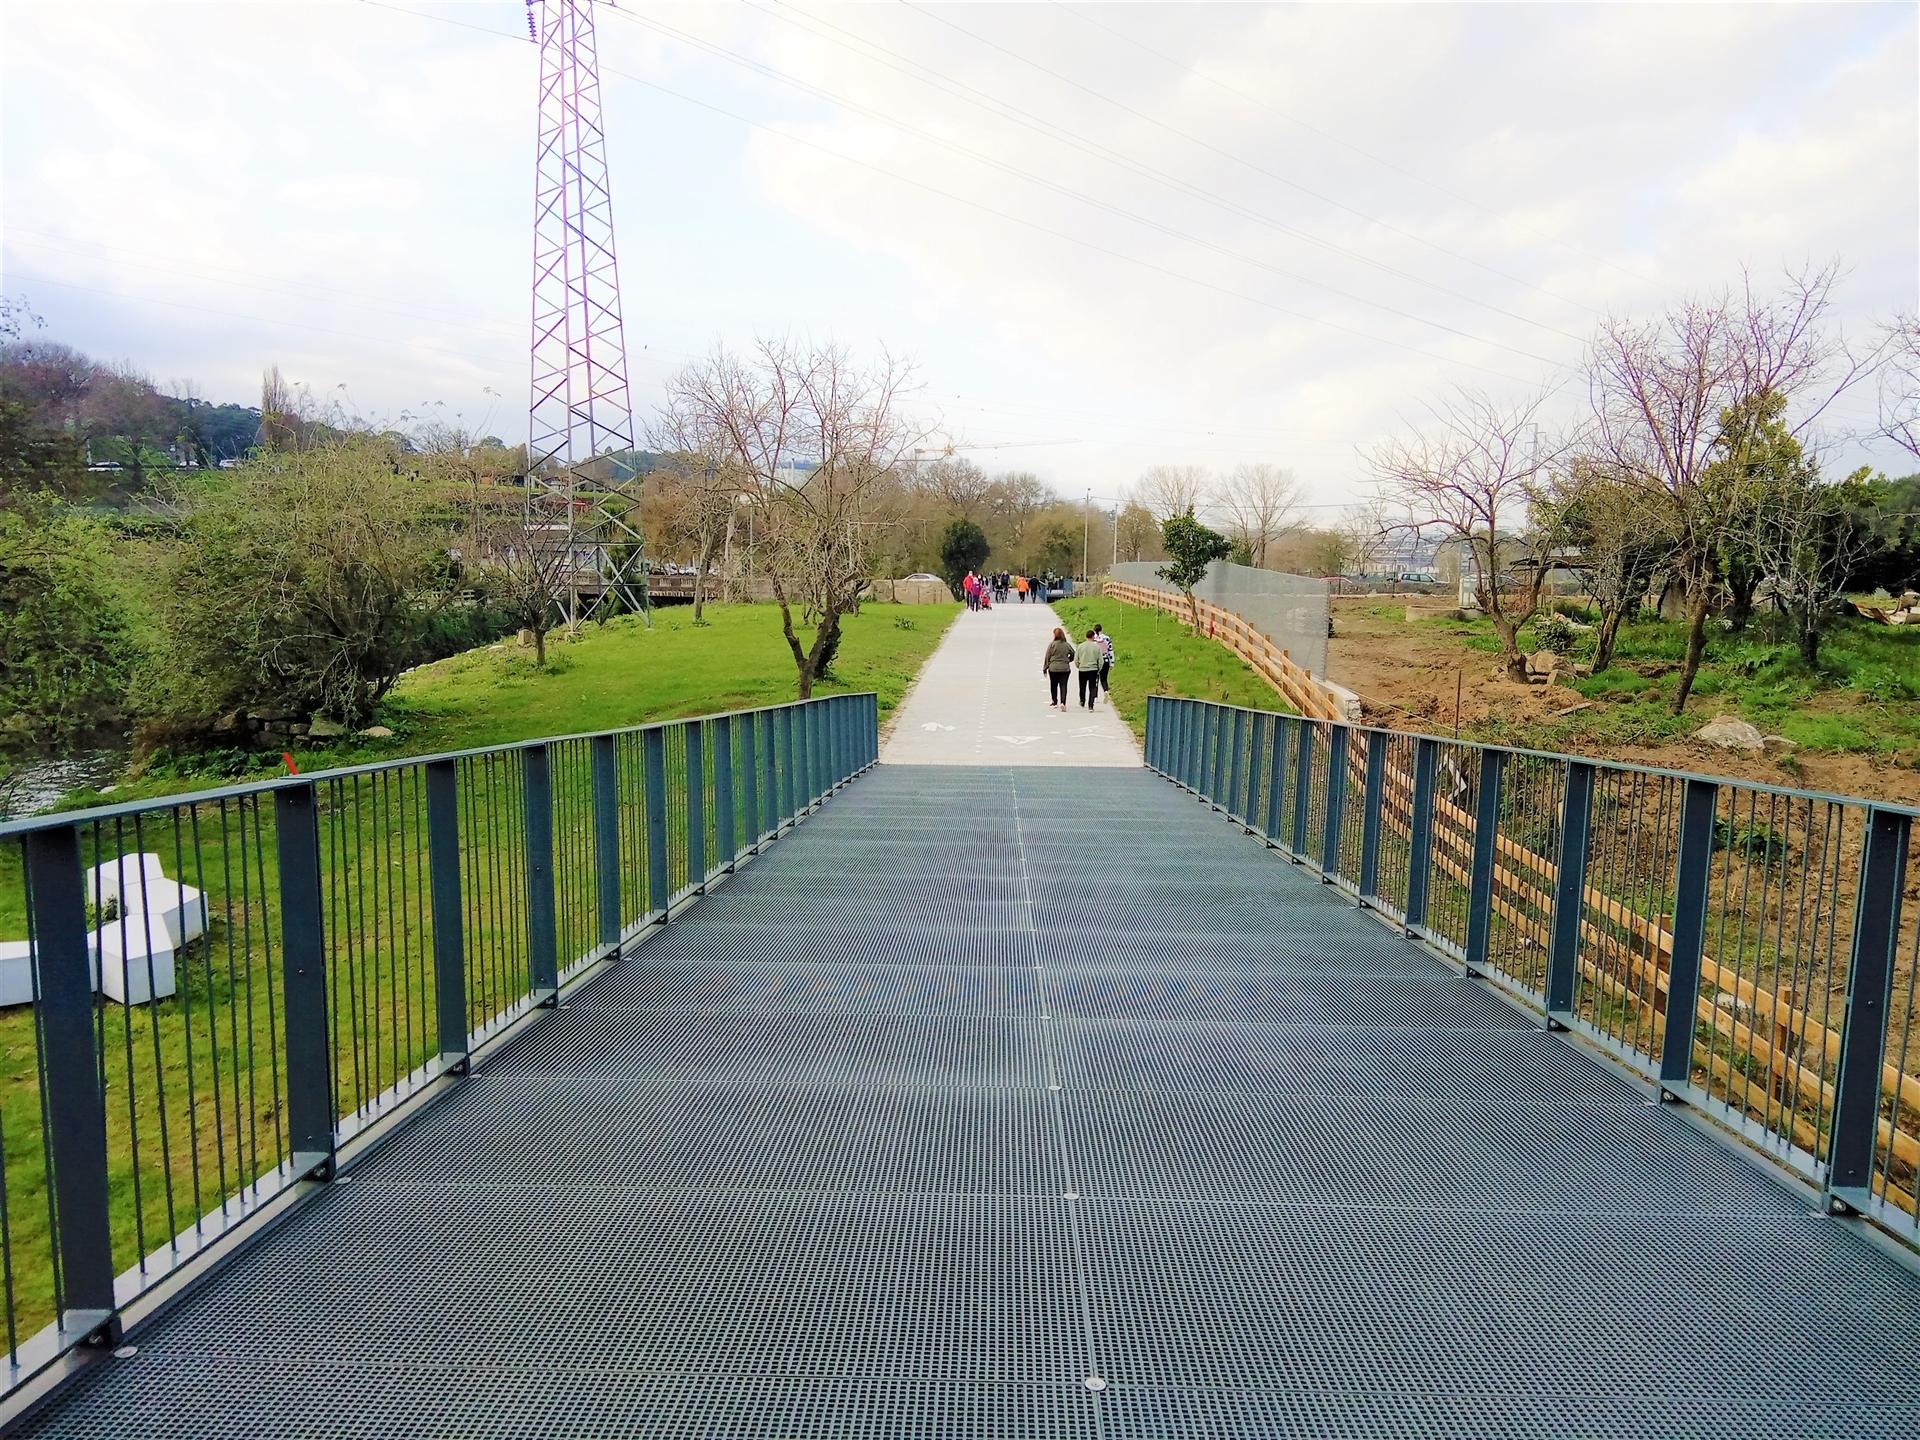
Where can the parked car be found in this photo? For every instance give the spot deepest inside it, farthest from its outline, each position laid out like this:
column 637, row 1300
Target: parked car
column 923, row 575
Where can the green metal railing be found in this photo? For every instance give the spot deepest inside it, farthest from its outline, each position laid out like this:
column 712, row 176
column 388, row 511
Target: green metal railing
column 1742, row 946
column 306, row 955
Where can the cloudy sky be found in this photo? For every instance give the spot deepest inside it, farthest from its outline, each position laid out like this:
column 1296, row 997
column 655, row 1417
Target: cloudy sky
column 1108, row 235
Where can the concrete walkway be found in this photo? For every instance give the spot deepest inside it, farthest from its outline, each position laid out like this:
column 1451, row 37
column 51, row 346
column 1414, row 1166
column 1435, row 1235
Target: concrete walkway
column 982, row 700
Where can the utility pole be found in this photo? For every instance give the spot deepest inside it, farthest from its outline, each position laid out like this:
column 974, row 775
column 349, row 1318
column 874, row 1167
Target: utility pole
column 1114, row 516
column 1086, row 530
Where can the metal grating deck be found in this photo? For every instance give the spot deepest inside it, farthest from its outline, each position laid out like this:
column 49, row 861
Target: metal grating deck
column 904, row 1135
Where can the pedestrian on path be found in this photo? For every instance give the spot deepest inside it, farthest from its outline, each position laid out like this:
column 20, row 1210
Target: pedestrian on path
column 1087, row 656
column 1020, row 587
column 1057, row 662
column 970, row 588
column 1106, row 663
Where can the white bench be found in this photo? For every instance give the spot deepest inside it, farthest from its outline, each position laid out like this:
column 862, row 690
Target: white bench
column 133, row 953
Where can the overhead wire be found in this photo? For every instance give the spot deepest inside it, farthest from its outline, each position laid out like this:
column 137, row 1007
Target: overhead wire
column 1200, row 73
column 873, row 51
column 734, row 57
column 1225, row 154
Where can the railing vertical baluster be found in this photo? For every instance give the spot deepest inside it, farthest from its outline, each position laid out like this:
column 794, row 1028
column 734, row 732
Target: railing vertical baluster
column 823, row 749
column 1331, row 822
column 303, row 988
column 1371, row 800
column 1153, row 734
column 1420, row 832
column 1277, row 777
column 842, row 740
column 1486, row 846
column 606, row 838
column 1237, row 766
column 1183, row 743
column 76, row 1114
column 1302, row 784
column 654, row 751
column 749, row 762
column 1569, row 893
column 1256, row 754
column 1863, row 1033
column 725, row 840
column 1217, row 773
column 1692, row 873
column 449, row 920
column 543, row 962
column 695, row 731
column 789, row 755
column 873, row 728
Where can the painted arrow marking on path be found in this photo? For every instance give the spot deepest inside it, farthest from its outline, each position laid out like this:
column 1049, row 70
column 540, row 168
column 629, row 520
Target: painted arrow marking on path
column 933, row 725
column 1017, row 739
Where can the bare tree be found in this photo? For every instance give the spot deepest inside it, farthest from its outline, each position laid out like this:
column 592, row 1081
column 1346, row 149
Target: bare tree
column 702, row 486
column 1256, row 504
column 961, row 486
column 1169, row 490
column 1472, row 478
column 1666, row 397
column 1900, row 384
column 1137, row 530
column 817, row 440
column 1808, row 540
column 523, row 574
column 1622, row 545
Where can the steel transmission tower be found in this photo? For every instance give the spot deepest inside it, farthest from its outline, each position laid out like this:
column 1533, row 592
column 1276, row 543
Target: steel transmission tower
column 582, row 494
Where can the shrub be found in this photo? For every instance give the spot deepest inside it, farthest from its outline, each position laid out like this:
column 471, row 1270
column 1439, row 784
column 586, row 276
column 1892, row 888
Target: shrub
column 305, row 583
column 65, row 649
column 1556, row 633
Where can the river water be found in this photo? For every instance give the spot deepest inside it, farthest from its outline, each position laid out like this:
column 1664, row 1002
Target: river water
column 31, row 784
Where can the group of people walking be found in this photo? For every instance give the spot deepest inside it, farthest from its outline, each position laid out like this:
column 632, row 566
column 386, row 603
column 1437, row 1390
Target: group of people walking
column 1092, row 658
column 983, row 592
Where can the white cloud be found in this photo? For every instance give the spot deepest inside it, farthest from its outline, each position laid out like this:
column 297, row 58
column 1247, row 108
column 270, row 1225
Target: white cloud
column 346, row 189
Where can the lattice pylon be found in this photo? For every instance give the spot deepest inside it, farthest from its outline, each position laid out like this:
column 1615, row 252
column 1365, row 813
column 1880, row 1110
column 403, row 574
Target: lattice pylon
column 582, row 493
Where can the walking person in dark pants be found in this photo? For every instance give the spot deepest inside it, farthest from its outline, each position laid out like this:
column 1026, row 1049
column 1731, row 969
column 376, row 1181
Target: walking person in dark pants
column 1087, row 656
column 1056, row 664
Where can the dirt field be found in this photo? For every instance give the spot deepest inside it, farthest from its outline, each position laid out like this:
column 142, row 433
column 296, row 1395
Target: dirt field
column 1407, row 674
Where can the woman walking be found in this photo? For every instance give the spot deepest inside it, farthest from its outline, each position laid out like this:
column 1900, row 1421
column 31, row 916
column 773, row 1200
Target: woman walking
column 1088, row 657
column 1057, row 662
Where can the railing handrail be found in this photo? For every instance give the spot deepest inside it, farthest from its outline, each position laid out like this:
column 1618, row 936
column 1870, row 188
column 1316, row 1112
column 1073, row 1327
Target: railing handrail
column 1759, row 787
column 124, row 808
column 1765, row 988
column 392, row 918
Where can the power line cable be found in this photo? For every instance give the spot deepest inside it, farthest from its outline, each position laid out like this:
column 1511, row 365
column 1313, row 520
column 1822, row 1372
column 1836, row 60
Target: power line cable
column 984, row 208
column 736, row 58
column 1329, row 136
column 866, row 48
column 1241, row 160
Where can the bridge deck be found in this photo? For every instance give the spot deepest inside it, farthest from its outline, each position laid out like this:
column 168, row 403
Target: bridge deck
column 1023, row 1103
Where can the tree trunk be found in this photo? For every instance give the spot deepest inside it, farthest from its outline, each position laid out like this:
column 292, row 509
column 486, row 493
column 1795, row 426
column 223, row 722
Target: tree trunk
column 1740, row 588
column 1193, row 609
column 539, row 647
column 1809, row 637
column 1699, row 604
column 1511, row 659
column 1605, row 637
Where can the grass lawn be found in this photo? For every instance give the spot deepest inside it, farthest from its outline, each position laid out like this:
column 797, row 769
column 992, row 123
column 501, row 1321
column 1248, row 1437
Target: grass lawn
column 195, row 1084
column 1154, row 654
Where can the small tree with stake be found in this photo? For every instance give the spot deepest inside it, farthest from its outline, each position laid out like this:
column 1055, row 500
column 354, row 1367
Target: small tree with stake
column 1191, row 547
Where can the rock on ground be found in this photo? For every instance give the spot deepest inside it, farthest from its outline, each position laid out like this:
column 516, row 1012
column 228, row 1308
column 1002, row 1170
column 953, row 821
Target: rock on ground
column 1730, row 733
